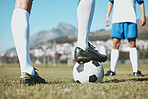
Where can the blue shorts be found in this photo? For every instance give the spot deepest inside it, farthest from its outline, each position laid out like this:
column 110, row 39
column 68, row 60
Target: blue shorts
column 124, row 30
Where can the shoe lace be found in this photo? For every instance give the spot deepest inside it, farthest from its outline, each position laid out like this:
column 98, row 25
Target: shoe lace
column 38, row 78
column 36, row 71
column 139, row 72
column 92, row 47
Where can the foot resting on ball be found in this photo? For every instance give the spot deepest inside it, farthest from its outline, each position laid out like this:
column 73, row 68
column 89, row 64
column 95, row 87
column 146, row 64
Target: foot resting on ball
column 89, row 54
column 31, row 80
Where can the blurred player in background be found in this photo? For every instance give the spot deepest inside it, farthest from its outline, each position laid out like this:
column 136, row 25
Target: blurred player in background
column 124, row 26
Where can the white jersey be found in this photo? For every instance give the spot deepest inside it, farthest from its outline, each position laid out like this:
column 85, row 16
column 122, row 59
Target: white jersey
column 124, row 11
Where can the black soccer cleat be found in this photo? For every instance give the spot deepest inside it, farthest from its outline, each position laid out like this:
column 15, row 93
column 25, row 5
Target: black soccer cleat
column 137, row 73
column 110, row 73
column 31, row 80
column 90, row 54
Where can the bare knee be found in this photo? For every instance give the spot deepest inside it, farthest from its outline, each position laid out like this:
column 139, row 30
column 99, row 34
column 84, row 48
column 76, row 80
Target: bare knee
column 116, row 43
column 24, row 4
column 132, row 42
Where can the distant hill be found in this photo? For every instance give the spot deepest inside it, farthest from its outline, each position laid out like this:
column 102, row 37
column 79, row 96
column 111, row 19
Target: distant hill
column 66, row 33
column 41, row 37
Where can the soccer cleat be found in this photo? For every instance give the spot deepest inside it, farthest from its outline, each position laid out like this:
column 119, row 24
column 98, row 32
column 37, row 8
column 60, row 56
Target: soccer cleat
column 137, row 73
column 90, row 54
column 30, row 80
column 110, row 73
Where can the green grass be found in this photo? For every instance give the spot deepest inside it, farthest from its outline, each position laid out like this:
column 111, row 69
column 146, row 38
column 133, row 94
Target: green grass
column 62, row 86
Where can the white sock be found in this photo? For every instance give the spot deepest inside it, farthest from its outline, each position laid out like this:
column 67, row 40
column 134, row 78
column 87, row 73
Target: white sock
column 134, row 59
column 85, row 11
column 114, row 59
column 20, row 31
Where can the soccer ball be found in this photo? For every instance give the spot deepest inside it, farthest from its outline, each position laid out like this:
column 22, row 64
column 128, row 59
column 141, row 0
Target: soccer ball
column 88, row 72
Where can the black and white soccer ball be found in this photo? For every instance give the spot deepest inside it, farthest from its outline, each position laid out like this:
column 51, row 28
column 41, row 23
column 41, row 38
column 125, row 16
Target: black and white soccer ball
column 90, row 72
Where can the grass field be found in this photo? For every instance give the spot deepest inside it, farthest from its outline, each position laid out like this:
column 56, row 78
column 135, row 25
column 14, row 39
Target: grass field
column 62, row 86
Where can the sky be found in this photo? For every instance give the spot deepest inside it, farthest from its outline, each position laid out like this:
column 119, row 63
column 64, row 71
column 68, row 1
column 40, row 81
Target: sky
column 47, row 14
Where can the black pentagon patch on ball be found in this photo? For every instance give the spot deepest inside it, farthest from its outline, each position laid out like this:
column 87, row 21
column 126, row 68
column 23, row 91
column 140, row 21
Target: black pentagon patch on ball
column 96, row 63
column 80, row 68
column 77, row 81
column 93, row 78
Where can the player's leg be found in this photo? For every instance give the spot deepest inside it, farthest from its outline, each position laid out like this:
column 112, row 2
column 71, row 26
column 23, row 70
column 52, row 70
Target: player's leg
column 134, row 56
column 23, row 4
column 114, row 57
column 131, row 34
column 115, row 54
column 21, row 32
column 85, row 11
column 117, row 34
